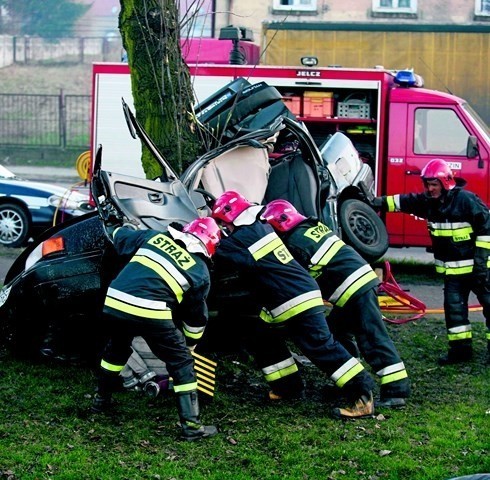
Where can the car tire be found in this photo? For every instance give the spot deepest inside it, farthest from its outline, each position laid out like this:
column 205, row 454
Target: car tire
column 14, row 225
column 363, row 229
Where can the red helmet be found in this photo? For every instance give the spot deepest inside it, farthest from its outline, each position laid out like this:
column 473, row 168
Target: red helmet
column 205, row 229
column 281, row 215
column 229, row 205
column 439, row 169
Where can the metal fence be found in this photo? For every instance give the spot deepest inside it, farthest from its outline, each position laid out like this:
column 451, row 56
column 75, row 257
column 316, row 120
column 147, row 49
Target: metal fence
column 45, row 120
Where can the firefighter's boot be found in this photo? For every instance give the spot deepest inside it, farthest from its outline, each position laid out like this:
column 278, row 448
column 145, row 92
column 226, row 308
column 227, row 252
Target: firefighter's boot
column 290, row 387
column 101, row 403
column 359, row 397
column 461, row 354
column 360, row 408
column 108, row 383
column 192, row 428
column 391, row 402
column 394, row 394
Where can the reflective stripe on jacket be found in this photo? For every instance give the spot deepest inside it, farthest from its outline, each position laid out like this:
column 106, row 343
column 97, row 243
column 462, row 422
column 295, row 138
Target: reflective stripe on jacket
column 339, row 270
column 459, row 226
column 281, row 286
column 160, row 277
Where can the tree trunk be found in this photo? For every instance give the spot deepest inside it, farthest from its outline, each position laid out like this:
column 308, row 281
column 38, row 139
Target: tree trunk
column 160, row 81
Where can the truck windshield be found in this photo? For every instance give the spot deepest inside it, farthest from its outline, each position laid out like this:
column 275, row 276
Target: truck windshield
column 477, row 121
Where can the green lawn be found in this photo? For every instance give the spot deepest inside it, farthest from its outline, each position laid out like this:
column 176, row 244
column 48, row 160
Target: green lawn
column 47, row 433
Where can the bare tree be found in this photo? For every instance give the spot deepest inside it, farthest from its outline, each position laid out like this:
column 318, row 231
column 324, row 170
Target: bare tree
column 160, row 80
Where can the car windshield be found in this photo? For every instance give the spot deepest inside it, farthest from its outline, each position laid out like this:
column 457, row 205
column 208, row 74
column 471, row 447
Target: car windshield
column 6, row 173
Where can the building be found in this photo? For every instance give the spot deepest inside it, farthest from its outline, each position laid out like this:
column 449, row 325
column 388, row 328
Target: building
column 447, row 43
column 258, row 15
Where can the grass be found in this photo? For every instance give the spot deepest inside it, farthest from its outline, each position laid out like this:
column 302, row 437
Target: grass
column 47, row 80
column 47, row 432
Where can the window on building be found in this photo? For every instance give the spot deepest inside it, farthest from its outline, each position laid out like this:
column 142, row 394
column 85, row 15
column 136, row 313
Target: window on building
column 482, row 7
column 439, row 131
column 305, row 5
column 395, row 6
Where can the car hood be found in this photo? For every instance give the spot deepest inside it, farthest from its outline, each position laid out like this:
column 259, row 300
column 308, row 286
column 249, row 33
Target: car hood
column 36, row 187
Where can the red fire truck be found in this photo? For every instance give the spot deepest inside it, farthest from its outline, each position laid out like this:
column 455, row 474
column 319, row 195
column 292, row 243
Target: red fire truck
column 392, row 120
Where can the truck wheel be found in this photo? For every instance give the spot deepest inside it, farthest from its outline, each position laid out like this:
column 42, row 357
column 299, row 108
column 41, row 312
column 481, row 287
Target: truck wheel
column 363, row 230
column 14, row 225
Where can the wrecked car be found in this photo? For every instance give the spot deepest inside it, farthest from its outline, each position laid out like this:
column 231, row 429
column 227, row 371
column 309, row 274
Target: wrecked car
column 55, row 289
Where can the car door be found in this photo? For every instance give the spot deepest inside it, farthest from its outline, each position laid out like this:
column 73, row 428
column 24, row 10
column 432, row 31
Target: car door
column 146, row 203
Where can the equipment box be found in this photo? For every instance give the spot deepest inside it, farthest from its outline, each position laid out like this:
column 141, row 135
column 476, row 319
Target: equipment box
column 318, row 104
column 293, row 102
column 353, row 107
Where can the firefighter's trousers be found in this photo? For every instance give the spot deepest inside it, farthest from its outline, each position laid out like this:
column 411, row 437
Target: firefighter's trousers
column 165, row 340
column 457, row 289
column 310, row 333
column 360, row 324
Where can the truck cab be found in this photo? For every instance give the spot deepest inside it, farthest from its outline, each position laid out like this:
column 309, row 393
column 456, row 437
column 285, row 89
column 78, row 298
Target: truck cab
column 395, row 124
column 423, row 125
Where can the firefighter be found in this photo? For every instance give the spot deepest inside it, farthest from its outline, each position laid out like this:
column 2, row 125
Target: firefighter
column 167, row 272
column 289, row 298
column 349, row 283
column 459, row 226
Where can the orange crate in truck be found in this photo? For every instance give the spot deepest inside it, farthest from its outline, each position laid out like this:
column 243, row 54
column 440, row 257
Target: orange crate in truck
column 293, row 102
column 317, row 104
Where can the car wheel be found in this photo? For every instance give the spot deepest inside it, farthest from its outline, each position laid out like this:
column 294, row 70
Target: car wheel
column 363, row 230
column 14, row 225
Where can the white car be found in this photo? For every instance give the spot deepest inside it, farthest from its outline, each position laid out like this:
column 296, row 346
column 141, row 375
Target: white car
column 28, row 208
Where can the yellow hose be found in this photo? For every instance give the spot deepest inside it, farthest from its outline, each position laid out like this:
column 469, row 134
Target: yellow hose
column 66, row 196
column 83, row 163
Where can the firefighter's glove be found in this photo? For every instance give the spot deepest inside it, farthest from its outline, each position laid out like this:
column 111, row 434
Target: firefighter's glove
column 191, row 343
column 367, row 196
column 130, row 225
column 366, row 193
column 377, row 203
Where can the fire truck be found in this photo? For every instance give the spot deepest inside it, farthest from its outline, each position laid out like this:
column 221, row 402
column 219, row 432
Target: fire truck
column 395, row 123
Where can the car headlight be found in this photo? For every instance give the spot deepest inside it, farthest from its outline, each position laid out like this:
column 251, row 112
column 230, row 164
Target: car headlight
column 71, row 200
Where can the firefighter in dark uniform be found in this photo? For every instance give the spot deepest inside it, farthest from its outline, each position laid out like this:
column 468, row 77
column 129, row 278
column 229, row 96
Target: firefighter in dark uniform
column 290, row 298
column 166, row 273
column 349, row 283
column 459, row 226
